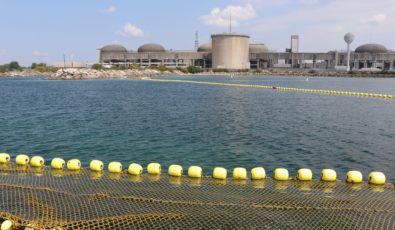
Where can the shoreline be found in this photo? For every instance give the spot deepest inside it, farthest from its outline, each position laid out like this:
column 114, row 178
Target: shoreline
column 91, row 74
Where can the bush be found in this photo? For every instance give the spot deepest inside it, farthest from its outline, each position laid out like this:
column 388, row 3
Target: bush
column 193, row 69
column 244, row 70
column 122, row 67
column 161, row 68
column 135, row 66
column 97, row 67
column 3, row 68
column 220, row 70
column 183, row 70
column 42, row 68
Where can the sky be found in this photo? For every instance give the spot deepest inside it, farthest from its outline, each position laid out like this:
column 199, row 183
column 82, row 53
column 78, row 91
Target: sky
column 47, row 30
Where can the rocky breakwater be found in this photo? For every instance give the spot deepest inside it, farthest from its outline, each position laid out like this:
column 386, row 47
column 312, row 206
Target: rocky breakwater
column 91, row 74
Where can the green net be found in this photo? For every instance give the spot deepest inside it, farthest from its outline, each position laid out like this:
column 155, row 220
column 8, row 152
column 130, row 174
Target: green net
column 45, row 198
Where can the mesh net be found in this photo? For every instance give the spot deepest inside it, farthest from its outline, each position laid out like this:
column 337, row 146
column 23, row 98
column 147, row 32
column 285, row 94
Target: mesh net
column 45, row 198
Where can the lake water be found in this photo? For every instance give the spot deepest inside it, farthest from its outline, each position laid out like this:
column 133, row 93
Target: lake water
column 206, row 125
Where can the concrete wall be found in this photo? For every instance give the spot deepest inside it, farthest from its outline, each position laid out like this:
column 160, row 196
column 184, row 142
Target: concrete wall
column 230, row 51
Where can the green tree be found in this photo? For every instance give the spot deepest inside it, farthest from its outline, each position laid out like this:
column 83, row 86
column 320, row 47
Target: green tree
column 14, row 66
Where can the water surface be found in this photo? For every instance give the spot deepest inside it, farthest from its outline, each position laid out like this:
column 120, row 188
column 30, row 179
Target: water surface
column 187, row 124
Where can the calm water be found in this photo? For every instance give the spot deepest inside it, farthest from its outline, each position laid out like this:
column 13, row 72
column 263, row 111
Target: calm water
column 137, row 121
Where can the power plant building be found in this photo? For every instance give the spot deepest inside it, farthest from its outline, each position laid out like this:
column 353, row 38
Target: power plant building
column 233, row 51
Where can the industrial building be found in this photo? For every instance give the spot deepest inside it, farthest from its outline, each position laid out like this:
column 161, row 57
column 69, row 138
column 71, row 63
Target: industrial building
column 233, row 51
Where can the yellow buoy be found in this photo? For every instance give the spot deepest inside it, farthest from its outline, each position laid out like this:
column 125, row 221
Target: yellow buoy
column 239, row 173
column 175, row 170
column 328, row 175
column 304, row 174
column 57, row 163
column 135, row 169
column 154, row 169
column 5, row 157
column 376, row 178
column 115, row 167
column 96, row 165
column 354, row 177
column 281, row 174
column 258, row 173
column 22, row 159
column 37, row 161
column 74, row 164
column 219, row 173
column 195, row 172
column 6, row 225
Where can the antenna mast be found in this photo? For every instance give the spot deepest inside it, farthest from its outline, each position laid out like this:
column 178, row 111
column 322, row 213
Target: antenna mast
column 230, row 22
column 196, row 40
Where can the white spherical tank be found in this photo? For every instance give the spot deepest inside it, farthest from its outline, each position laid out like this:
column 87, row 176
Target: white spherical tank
column 349, row 38
column 230, row 51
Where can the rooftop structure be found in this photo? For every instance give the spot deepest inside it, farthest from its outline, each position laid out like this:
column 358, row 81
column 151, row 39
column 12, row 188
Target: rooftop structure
column 258, row 48
column 150, row 48
column 371, row 48
column 113, row 48
column 207, row 47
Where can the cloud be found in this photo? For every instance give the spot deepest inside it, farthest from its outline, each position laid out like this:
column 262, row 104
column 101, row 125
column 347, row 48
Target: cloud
column 376, row 19
column 130, row 30
column 108, row 10
column 308, row 2
column 38, row 53
column 220, row 17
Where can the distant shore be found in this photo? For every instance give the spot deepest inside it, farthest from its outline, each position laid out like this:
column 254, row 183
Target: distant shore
column 91, row 74
column 25, row 73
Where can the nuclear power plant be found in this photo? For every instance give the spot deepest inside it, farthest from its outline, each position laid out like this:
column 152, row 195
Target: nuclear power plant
column 234, row 52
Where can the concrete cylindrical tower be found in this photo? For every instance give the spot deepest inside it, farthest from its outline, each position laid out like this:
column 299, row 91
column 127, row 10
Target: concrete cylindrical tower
column 230, row 51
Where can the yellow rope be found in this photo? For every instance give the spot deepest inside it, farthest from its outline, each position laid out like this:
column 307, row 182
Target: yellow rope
column 320, row 91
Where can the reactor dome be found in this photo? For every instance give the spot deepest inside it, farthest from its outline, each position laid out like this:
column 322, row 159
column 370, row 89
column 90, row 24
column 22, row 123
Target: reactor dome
column 113, row 48
column 257, row 48
column 205, row 47
column 371, row 48
column 151, row 47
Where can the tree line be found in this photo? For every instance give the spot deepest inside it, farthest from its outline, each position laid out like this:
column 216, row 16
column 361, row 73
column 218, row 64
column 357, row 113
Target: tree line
column 14, row 66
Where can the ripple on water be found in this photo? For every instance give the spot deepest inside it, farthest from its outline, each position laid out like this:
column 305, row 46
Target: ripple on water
column 136, row 121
